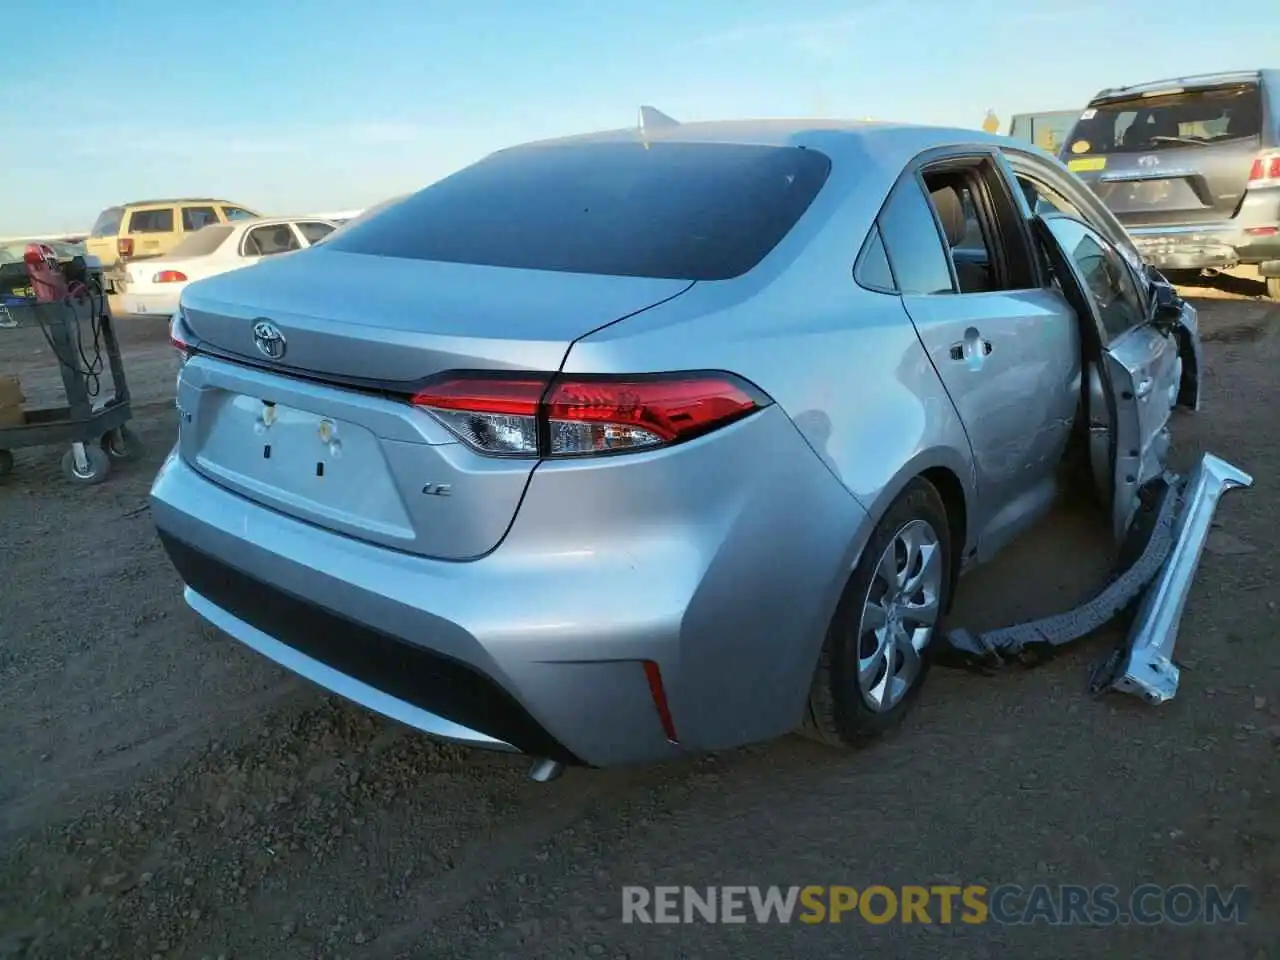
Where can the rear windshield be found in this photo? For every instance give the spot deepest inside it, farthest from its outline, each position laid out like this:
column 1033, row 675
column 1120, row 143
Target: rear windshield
column 108, row 222
column 1147, row 124
column 203, row 241
column 687, row 211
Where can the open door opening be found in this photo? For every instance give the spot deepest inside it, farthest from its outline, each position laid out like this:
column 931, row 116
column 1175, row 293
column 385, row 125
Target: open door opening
column 1140, row 358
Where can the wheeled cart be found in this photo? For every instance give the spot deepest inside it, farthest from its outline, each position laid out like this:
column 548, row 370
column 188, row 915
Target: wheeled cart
column 79, row 339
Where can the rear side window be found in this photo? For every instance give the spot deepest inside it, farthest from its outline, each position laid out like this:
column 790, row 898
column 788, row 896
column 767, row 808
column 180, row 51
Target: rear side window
column 151, row 221
column 1177, row 120
column 267, row 241
column 314, row 231
column 872, row 267
column 237, row 213
column 193, row 218
column 203, row 242
column 687, row 211
column 108, row 222
column 920, row 263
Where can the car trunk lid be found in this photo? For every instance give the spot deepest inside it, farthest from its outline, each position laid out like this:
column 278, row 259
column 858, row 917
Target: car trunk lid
column 389, row 320
column 142, row 273
column 1176, row 156
column 325, row 431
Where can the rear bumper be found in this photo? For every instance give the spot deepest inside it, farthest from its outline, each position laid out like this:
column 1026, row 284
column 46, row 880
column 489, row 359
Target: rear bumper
column 540, row 646
column 398, row 679
column 1201, row 248
column 1250, row 238
column 149, row 304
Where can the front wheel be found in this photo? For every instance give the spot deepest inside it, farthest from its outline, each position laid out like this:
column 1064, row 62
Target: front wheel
column 879, row 645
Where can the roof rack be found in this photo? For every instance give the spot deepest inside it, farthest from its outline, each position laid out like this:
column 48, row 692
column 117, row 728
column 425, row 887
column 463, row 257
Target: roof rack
column 1238, row 76
column 145, row 203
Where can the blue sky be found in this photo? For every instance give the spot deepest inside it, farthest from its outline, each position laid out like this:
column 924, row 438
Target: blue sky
column 295, row 106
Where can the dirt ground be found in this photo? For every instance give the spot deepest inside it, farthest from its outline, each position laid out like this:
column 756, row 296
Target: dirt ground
column 166, row 793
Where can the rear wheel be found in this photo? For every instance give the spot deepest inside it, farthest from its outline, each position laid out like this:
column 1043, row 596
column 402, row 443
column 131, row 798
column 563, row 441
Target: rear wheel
column 879, row 645
column 1273, row 288
column 122, row 444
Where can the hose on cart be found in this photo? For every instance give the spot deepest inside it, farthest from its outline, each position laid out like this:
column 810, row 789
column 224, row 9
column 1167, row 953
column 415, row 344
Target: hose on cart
column 87, row 364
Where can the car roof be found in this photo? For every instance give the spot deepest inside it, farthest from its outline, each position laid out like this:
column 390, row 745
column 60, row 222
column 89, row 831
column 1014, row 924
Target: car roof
column 240, row 226
column 163, row 200
column 885, row 141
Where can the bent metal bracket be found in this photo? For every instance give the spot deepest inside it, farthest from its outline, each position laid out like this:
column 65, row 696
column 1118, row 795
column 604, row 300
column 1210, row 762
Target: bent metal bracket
column 1175, row 525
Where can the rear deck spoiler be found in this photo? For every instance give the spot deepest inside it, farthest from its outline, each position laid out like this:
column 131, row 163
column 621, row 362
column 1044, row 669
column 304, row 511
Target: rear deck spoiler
column 651, row 118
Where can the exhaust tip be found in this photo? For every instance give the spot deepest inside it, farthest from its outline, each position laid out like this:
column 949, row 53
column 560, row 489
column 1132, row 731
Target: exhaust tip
column 544, row 770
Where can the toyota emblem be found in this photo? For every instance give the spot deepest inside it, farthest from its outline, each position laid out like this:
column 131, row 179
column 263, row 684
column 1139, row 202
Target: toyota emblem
column 269, row 340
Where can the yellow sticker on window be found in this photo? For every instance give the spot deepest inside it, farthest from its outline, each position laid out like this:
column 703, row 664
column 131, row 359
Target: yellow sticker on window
column 1087, row 164
column 1081, row 146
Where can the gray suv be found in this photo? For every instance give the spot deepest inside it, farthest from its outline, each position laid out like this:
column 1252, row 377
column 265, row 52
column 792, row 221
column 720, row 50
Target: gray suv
column 1191, row 167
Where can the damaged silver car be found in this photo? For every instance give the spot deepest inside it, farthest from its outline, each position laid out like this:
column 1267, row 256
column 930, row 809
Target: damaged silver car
column 662, row 440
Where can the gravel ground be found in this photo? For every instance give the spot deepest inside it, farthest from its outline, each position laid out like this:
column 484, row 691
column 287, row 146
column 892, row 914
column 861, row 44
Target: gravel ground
column 167, row 794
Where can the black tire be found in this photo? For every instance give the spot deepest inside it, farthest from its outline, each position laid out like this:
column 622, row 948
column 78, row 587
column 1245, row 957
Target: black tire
column 1273, row 288
column 838, row 714
column 6, row 463
column 122, row 444
column 99, row 466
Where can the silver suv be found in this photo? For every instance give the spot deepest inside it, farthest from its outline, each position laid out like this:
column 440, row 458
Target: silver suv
column 1191, row 167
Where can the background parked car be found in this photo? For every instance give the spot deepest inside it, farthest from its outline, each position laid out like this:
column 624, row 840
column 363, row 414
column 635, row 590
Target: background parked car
column 154, row 285
column 338, row 217
column 1191, row 166
column 152, row 228
column 1048, row 130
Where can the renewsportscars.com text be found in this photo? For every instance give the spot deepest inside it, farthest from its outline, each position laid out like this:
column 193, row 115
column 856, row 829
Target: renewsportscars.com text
column 972, row 904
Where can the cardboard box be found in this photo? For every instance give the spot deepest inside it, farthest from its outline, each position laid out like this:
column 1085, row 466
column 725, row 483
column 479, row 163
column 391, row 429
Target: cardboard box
column 11, row 401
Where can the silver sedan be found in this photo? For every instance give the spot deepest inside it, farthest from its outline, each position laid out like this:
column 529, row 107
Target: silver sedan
column 624, row 446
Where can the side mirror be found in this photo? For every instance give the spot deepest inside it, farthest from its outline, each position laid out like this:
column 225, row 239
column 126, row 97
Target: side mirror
column 1167, row 311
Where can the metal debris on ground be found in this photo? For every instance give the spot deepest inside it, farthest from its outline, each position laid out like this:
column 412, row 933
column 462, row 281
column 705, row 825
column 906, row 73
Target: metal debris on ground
column 1175, row 525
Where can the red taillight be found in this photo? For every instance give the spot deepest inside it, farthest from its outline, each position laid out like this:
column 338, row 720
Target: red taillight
column 169, row 276
column 124, row 246
column 568, row 416
column 659, row 695
column 176, row 339
column 1265, row 167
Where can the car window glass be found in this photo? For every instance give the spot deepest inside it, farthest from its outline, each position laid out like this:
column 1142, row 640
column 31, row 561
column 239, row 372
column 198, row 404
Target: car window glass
column 1108, row 280
column 314, row 231
column 151, row 221
column 236, row 213
column 1170, row 121
column 108, row 223
column 912, row 242
column 665, row 209
column 193, row 218
column 269, row 240
column 1044, row 199
column 872, row 267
